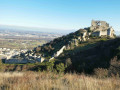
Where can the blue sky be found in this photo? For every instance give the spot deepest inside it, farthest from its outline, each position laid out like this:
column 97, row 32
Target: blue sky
column 59, row 14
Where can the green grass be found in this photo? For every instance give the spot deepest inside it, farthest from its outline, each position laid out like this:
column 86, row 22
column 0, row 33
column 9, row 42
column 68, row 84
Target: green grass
column 18, row 44
column 86, row 45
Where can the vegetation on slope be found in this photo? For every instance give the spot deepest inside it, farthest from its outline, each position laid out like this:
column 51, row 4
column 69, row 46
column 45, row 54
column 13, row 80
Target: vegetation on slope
column 94, row 55
column 50, row 48
column 52, row 81
column 91, row 56
column 88, row 57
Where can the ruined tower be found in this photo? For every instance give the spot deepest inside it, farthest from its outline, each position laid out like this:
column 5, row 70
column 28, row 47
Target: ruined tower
column 101, row 28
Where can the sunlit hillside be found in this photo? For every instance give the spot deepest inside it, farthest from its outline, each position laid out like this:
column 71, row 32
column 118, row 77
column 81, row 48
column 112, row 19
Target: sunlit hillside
column 51, row 81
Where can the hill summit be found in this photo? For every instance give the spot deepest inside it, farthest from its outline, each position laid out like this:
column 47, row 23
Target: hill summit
column 53, row 49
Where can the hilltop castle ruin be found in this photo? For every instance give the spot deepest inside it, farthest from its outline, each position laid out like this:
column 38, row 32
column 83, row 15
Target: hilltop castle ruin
column 101, row 28
column 98, row 29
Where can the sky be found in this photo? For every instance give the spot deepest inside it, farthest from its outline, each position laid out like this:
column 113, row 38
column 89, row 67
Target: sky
column 59, row 14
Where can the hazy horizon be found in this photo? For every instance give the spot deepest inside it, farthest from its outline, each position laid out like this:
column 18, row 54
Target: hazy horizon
column 36, row 29
column 66, row 15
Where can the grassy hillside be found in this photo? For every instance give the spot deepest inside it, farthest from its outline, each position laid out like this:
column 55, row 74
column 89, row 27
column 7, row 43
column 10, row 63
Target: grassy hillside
column 92, row 55
column 52, row 81
column 95, row 54
column 50, row 48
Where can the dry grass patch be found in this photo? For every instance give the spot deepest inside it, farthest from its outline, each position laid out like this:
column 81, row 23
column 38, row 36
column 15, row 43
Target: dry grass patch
column 51, row 81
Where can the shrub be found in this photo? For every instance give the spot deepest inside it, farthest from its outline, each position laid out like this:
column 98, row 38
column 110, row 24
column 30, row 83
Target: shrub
column 101, row 73
column 45, row 66
column 60, row 67
column 50, row 65
column 114, row 67
column 68, row 62
column 38, row 49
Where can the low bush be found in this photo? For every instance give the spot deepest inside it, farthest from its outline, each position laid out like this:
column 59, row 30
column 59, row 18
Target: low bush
column 60, row 67
column 101, row 73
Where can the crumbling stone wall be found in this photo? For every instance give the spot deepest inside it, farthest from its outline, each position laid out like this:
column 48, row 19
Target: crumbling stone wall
column 99, row 25
column 101, row 28
column 60, row 51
